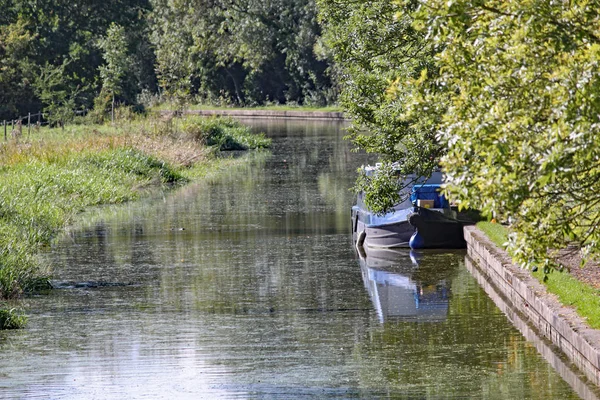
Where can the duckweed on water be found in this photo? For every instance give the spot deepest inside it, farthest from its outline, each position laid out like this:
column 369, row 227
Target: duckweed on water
column 45, row 183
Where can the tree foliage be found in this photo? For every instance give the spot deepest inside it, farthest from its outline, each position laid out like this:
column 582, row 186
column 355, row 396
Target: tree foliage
column 16, row 70
column 113, row 73
column 382, row 56
column 65, row 33
column 114, row 48
column 222, row 51
column 54, row 89
column 506, row 90
column 522, row 121
column 240, row 51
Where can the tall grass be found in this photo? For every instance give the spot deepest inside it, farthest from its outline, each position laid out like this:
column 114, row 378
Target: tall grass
column 46, row 180
column 38, row 198
column 223, row 133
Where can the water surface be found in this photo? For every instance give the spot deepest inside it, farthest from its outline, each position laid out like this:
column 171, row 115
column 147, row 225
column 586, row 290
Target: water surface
column 248, row 287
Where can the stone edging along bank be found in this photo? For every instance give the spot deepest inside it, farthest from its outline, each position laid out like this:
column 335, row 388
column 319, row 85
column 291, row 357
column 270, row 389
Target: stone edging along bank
column 560, row 324
column 270, row 114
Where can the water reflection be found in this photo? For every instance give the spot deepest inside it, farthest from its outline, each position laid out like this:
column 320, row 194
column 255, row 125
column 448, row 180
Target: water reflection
column 403, row 284
column 567, row 371
column 259, row 296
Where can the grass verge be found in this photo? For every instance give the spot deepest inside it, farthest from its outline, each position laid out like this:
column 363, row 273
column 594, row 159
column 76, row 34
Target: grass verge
column 53, row 175
column 497, row 233
column 570, row 291
column 573, row 293
column 282, row 107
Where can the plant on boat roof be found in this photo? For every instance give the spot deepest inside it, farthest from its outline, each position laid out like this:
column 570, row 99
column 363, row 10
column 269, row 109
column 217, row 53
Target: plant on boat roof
column 385, row 185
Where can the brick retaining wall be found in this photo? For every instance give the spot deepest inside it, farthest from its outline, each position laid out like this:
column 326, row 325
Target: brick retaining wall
column 560, row 324
column 566, row 369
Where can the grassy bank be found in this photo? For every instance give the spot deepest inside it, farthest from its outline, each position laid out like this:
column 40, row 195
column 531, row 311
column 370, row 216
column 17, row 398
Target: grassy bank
column 570, row 291
column 279, row 107
column 46, row 179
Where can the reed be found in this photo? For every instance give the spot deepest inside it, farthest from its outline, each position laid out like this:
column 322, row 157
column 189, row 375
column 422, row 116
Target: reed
column 11, row 318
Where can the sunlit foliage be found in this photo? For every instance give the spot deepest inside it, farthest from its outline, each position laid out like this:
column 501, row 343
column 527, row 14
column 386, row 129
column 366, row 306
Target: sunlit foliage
column 381, row 56
column 509, row 91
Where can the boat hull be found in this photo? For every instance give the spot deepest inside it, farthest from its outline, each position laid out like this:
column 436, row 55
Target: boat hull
column 389, row 236
column 437, row 231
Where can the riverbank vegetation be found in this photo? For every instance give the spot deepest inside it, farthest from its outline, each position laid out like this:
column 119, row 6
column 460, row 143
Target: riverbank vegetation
column 169, row 106
column 502, row 95
column 48, row 178
column 58, row 56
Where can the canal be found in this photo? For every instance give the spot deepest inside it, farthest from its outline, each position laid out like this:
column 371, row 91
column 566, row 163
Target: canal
column 247, row 287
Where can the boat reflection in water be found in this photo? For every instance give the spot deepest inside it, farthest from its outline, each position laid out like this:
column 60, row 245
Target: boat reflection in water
column 406, row 285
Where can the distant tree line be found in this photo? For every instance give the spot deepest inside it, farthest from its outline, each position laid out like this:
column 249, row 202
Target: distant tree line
column 62, row 55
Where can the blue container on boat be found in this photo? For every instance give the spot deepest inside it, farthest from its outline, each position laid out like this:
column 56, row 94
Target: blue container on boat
column 429, row 192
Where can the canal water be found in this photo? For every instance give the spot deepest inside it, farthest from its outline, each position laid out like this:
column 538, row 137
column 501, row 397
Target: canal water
column 247, row 287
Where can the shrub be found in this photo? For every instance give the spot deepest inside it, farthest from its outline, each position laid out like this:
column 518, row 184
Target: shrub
column 223, row 133
column 11, row 318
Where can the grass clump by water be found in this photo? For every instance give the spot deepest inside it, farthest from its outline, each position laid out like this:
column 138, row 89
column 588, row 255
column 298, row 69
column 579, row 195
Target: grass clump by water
column 49, row 178
column 12, row 318
column 224, row 133
column 570, row 291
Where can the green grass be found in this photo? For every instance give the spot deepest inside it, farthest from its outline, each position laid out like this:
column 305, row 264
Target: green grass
column 12, row 318
column 39, row 197
column 570, row 291
column 51, row 176
column 497, row 233
column 283, row 107
column 573, row 293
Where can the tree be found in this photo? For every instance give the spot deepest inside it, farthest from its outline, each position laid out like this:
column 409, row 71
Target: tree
column 240, row 51
column 173, row 44
column 506, row 93
column 58, row 93
column 58, row 31
column 522, row 120
column 381, row 57
column 114, row 48
column 16, row 68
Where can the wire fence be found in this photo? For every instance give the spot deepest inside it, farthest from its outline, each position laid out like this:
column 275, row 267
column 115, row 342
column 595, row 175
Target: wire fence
column 14, row 128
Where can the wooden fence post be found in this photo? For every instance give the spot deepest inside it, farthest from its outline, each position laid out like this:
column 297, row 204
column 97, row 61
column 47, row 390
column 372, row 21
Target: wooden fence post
column 29, row 125
column 5, row 138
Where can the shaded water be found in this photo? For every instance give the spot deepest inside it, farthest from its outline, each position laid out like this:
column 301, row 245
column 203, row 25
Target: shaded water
column 248, row 287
